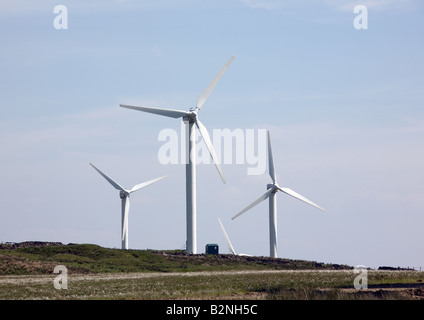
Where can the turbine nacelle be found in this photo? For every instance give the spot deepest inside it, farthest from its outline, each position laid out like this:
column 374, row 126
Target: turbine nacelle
column 274, row 187
column 191, row 116
column 194, row 110
column 123, row 194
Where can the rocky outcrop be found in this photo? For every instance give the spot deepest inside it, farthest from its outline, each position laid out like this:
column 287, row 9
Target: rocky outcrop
column 28, row 244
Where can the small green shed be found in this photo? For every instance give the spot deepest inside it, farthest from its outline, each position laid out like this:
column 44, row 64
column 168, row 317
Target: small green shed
column 212, row 248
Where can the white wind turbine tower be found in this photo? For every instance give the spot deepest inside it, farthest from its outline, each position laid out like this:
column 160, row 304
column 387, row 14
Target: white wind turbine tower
column 125, row 196
column 191, row 120
column 271, row 194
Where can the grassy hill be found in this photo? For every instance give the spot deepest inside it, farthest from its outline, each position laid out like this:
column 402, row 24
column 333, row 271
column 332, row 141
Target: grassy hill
column 26, row 272
column 41, row 258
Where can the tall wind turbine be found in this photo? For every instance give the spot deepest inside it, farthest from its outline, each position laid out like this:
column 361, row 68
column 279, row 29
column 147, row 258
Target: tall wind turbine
column 191, row 120
column 124, row 194
column 271, row 194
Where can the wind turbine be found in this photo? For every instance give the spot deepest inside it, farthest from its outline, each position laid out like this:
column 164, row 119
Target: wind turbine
column 230, row 246
column 124, row 194
column 191, row 120
column 271, row 194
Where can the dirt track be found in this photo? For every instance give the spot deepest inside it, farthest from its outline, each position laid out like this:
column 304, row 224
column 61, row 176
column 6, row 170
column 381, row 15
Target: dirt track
column 138, row 275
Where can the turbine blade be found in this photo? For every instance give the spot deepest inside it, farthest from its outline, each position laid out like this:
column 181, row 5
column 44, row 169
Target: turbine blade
column 113, row 183
column 230, row 246
column 125, row 210
column 260, row 199
column 299, row 197
column 163, row 112
column 205, row 94
column 206, row 138
column 271, row 161
column 145, row 184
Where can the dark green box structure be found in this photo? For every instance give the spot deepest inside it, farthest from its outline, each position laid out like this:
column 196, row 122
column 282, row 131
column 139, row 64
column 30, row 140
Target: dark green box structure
column 212, row 248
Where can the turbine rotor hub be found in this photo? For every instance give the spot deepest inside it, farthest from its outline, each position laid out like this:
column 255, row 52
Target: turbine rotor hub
column 123, row 194
column 272, row 186
column 191, row 117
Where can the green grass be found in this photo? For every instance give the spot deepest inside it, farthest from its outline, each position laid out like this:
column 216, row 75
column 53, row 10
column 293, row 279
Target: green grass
column 280, row 285
column 103, row 273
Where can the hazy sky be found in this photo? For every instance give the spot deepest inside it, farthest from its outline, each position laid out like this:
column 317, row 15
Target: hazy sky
column 345, row 109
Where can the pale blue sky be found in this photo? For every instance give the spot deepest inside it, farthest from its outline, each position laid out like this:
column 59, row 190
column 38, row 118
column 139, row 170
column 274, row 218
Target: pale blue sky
column 344, row 107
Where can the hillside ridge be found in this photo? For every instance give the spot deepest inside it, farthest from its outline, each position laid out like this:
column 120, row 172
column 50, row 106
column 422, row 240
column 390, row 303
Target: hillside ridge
column 39, row 257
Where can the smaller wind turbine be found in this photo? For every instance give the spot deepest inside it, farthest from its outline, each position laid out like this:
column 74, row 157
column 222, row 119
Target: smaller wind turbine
column 230, row 246
column 271, row 194
column 124, row 194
